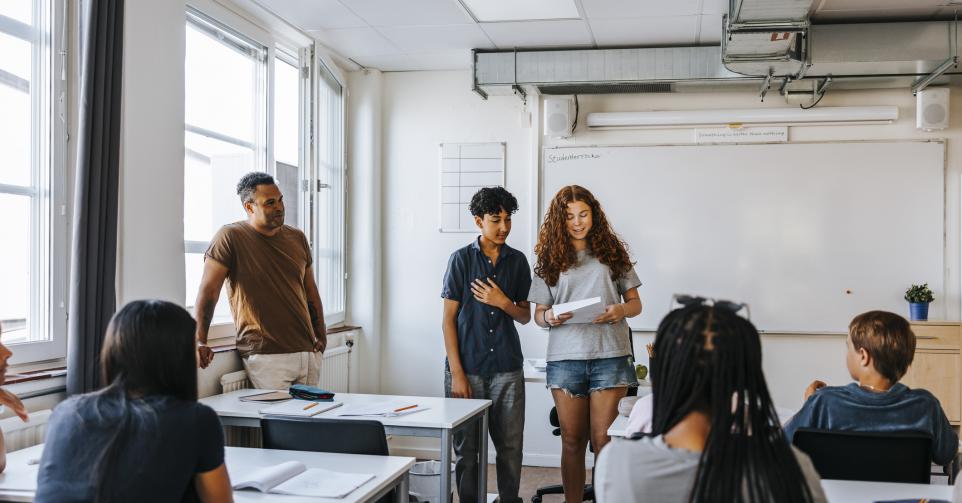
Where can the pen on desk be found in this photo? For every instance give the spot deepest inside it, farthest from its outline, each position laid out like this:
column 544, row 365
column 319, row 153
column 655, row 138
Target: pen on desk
column 308, row 406
column 406, row 408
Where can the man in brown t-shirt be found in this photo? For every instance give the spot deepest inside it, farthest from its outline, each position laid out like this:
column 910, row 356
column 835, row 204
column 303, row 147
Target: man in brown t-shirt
column 270, row 284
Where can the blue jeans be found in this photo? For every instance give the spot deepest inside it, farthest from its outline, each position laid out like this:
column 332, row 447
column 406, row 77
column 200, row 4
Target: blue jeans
column 506, row 427
column 579, row 378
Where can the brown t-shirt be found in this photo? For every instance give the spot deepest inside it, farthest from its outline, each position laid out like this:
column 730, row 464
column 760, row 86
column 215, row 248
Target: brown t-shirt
column 265, row 285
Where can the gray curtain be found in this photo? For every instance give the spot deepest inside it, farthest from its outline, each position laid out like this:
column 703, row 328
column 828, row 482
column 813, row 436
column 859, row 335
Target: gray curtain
column 93, row 260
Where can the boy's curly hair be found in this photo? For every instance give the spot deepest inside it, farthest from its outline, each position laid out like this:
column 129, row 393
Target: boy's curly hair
column 491, row 200
column 554, row 249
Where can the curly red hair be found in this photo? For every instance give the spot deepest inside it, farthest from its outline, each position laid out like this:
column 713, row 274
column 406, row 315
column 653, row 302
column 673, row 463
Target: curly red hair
column 555, row 252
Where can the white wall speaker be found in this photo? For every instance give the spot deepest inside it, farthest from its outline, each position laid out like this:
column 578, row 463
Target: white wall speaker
column 932, row 108
column 559, row 116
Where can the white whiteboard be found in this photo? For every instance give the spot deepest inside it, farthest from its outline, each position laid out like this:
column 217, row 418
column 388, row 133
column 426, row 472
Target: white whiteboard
column 787, row 228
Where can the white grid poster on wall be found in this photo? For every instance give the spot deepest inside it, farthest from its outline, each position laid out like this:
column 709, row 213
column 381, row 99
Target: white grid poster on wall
column 465, row 168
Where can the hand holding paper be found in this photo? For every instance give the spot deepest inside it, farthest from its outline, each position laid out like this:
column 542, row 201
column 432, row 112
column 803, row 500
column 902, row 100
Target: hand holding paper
column 582, row 311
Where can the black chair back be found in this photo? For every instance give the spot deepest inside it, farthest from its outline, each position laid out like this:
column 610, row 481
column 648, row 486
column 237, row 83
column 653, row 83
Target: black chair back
column 875, row 457
column 324, row 435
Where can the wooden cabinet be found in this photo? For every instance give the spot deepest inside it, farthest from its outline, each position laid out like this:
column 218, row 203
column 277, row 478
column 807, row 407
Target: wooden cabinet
column 937, row 365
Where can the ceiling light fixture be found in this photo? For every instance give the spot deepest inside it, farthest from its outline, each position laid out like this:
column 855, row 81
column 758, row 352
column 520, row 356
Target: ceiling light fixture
column 497, row 11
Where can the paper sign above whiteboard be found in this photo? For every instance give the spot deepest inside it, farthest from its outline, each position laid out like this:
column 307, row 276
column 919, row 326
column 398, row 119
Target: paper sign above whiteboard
column 774, row 134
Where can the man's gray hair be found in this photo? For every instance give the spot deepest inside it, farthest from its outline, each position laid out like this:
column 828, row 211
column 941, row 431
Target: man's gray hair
column 249, row 182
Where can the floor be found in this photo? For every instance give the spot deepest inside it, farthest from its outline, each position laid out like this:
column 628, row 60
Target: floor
column 532, row 477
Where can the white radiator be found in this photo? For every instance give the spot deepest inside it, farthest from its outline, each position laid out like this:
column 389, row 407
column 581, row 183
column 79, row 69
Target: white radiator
column 335, row 376
column 336, row 369
column 20, row 435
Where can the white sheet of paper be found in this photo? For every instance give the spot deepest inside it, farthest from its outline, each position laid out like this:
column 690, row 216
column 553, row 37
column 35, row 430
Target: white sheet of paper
column 321, row 483
column 583, row 311
column 300, row 408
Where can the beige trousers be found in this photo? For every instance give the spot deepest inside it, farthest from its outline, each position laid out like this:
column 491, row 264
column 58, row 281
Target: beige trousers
column 280, row 371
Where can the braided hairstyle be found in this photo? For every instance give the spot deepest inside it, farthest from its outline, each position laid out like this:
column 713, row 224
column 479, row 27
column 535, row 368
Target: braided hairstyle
column 710, row 359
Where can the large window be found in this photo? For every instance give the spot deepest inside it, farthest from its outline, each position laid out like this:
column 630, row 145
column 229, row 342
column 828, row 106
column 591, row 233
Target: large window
column 329, row 225
column 250, row 104
column 225, row 135
column 32, row 181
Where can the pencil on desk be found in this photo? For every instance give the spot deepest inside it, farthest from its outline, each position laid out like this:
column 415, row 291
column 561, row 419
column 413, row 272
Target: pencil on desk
column 308, row 406
column 406, row 408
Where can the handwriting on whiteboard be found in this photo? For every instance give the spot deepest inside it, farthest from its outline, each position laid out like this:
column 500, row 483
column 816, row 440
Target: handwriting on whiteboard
column 550, row 158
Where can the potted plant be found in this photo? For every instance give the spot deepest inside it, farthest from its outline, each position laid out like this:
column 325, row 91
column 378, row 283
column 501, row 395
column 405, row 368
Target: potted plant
column 919, row 297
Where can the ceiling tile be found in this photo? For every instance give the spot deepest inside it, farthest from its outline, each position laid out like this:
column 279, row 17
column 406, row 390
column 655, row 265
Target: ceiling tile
column 526, row 10
column 714, row 7
column 394, row 63
column 538, row 34
column 352, row 42
column 711, row 29
column 449, row 60
column 409, row 12
column 434, row 39
column 620, row 9
column 314, row 14
column 646, row 31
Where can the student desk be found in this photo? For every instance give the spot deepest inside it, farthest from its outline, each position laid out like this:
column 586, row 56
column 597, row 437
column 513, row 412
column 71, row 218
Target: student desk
column 855, row 491
column 442, row 419
column 19, row 481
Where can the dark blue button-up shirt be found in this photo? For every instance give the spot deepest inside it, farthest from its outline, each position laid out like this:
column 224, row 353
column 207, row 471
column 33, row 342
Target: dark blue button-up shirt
column 487, row 338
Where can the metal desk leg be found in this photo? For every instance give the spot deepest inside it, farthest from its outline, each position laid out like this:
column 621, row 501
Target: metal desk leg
column 445, row 465
column 401, row 492
column 483, row 458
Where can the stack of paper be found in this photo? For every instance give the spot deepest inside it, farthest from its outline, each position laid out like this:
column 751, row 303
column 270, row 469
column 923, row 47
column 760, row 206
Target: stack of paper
column 382, row 409
column 300, row 408
column 583, row 311
column 296, row 479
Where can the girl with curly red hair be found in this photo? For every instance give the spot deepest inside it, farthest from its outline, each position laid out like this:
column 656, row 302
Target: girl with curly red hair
column 589, row 364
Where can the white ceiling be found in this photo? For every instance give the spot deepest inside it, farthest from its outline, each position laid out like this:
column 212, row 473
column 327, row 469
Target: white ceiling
column 401, row 35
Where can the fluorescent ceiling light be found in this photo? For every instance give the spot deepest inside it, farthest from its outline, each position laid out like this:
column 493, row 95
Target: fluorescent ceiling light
column 492, row 11
column 746, row 117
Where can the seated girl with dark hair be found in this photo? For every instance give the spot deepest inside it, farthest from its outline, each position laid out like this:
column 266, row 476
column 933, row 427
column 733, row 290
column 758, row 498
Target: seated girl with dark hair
column 143, row 437
column 715, row 435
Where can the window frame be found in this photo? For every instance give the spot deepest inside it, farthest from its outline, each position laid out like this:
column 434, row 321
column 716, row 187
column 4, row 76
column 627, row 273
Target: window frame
column 287, row 43
column 48, row 188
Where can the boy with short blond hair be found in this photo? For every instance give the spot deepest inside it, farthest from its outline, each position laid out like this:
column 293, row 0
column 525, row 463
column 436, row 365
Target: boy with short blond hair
column 880, row 348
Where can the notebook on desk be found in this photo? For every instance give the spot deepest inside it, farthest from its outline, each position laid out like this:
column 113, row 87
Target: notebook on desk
column 296, row 479
column 299, row 408
column 388, row 409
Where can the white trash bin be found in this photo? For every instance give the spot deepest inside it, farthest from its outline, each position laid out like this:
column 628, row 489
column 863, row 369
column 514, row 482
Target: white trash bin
column 425, row 481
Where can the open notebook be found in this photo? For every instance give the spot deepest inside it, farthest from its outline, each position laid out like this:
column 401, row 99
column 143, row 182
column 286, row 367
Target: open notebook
column 294, row 478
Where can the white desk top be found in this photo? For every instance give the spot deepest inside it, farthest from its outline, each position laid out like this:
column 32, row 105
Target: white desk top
column 617, row 428
column 19, row 480
column 441, row 413
column 853, row 491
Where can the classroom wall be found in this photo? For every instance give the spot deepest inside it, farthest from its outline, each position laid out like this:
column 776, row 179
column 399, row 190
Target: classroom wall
column 422, row 109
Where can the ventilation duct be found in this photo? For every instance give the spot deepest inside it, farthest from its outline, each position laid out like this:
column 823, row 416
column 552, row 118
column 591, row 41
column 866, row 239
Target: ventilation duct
column 846, row 56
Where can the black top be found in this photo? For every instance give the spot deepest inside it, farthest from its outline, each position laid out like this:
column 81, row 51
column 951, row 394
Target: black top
column 487, row 338
column 172, row 440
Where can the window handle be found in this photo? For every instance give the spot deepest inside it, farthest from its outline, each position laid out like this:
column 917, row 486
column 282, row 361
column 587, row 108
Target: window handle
column 321, row 185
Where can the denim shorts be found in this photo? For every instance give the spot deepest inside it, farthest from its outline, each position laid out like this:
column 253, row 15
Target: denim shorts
column 581, row 377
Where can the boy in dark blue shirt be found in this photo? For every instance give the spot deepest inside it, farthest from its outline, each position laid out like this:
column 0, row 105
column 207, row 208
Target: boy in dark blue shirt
column 485, row 290
column 881, row 346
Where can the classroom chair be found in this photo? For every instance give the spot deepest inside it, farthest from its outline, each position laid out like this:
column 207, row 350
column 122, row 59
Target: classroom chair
column 326, row 435
column 869, row 456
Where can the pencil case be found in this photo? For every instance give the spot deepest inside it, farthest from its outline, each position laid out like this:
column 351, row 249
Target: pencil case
column 305, row 392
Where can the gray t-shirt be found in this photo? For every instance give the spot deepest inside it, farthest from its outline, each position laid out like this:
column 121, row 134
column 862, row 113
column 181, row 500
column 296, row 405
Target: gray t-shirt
column 585, row 341
column 647, row 469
